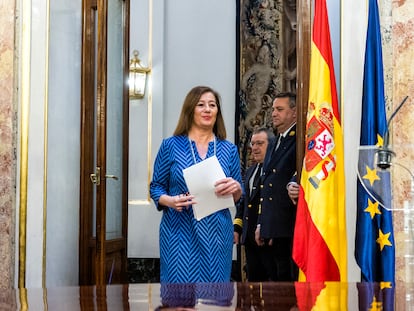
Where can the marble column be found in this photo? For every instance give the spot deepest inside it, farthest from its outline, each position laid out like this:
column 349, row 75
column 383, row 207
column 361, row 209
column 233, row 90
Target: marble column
column 7, row 143
column 398, row 35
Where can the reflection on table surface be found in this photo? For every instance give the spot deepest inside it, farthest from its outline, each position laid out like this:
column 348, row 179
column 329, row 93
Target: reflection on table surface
column 215, row 296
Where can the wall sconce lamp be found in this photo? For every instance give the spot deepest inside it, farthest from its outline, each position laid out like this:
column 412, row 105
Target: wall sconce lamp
column 137, row 77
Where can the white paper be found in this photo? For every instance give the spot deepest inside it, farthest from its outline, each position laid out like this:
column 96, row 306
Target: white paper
column 200, row 179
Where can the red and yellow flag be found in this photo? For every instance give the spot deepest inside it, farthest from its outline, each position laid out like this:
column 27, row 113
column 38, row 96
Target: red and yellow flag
column 320, row 244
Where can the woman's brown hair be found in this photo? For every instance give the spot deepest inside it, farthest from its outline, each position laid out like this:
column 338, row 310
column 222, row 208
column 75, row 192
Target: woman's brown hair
column 187, row 112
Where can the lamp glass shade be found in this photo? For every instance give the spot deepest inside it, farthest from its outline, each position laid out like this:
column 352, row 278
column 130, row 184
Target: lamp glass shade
column 137, row 84
column 137, row 77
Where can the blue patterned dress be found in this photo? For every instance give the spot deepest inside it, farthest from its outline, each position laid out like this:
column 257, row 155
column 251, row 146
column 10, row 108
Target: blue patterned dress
column 192, row 251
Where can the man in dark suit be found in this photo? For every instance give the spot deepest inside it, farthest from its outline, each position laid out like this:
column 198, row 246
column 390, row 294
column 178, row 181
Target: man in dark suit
column 277, row 212
column 246, row 215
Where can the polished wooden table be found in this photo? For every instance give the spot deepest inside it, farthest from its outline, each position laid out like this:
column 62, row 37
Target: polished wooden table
column 217, row 296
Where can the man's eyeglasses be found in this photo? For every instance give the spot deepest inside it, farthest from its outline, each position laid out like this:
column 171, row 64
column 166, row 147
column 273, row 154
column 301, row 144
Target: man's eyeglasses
column 258, row 143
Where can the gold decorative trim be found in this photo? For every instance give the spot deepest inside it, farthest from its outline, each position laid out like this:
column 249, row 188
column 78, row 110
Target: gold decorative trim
column 45, row 146
column 24, row 305
column 44, row 296
column 24, row 136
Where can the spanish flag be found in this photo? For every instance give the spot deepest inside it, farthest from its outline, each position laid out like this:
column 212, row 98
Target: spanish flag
column 320, row 243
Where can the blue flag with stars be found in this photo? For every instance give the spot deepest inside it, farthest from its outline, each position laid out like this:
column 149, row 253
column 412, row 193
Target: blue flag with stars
column 375, row 296
column 374, row 239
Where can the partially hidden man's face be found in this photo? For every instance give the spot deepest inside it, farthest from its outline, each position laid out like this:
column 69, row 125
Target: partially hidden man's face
column 259, row 144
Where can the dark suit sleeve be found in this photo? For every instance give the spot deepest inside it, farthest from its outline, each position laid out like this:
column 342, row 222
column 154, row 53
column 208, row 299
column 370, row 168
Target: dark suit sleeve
column 293, row 179
column 238, row 219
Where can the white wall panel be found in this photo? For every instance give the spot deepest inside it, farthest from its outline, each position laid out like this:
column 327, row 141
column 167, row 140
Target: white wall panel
column 354, row 24
column 62, row 251
column 36, row 141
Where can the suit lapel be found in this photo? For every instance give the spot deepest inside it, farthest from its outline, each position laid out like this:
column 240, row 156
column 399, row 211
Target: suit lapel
column 270, row 150
column 257, row 185
column 272, row 160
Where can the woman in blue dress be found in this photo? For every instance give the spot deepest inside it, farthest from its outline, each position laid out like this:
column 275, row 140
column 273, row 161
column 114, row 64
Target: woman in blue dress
column 193, row 251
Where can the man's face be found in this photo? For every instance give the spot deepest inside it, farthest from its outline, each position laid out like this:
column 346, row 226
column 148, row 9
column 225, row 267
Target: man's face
column 259, row 144
column 282, row 115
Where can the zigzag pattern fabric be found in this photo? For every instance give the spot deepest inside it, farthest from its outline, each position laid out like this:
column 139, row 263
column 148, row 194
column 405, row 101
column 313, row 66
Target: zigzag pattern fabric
column 192, row 251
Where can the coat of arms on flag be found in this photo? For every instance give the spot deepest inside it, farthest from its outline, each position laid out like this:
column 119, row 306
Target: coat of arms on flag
column 319, row 144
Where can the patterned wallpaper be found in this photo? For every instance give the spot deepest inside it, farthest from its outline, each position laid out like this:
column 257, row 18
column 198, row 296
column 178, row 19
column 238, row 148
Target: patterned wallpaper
column 267, row 64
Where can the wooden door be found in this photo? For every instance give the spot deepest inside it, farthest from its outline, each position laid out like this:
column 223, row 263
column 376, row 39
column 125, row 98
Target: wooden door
column 104, row 142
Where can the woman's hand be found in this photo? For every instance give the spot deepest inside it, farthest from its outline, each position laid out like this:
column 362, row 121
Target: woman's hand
column 228, row 186
column 181, row 201
column 177, row 202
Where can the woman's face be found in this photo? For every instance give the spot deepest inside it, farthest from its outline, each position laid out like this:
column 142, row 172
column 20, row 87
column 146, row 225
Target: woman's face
column 205, row 111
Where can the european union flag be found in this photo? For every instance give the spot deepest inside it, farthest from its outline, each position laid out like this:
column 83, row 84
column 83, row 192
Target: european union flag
column 374, row 241
column 375, row 296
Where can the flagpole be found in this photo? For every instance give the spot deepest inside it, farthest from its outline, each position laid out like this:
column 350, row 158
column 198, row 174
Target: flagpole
column 303, row 47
